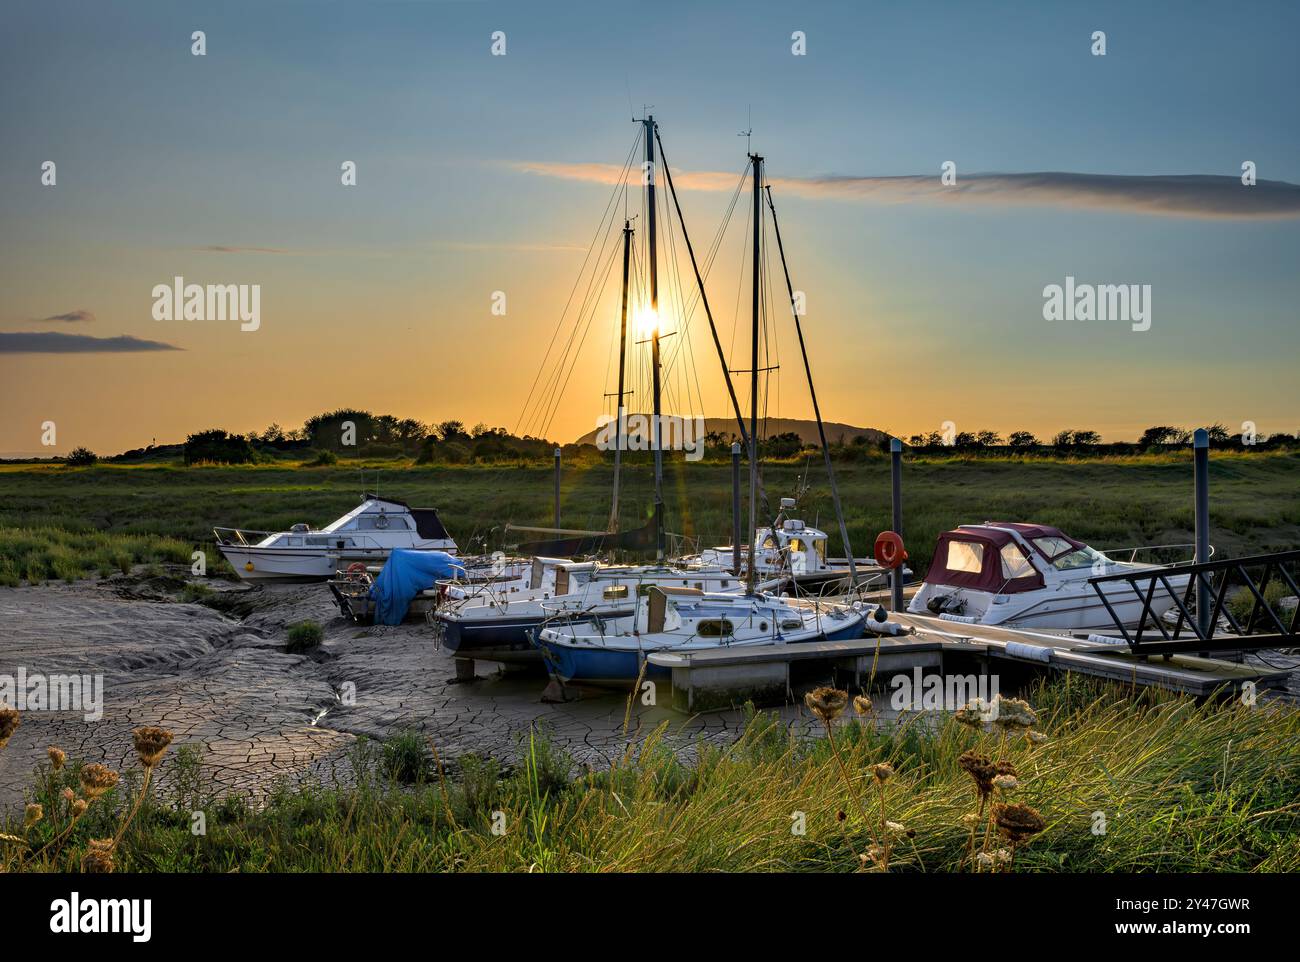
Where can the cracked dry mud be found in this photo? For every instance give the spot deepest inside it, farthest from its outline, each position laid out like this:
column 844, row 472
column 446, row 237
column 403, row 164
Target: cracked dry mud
column 260, row 716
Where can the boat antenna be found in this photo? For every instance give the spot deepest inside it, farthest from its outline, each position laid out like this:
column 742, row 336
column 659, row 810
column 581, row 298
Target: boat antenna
column 812, row 391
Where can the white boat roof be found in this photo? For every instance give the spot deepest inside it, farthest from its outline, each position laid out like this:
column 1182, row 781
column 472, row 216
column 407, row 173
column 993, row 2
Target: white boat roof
column 369, row 506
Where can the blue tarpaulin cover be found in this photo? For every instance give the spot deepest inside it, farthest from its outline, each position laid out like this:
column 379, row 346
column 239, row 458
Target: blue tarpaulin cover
column 405, row 575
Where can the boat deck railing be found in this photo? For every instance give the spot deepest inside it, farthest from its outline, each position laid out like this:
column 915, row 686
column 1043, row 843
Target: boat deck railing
column 1217, row 584
column 1157, row 554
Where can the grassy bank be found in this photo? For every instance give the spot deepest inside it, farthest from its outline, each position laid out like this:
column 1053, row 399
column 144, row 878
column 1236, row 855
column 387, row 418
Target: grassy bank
column 1123, row 781
column 133, row 511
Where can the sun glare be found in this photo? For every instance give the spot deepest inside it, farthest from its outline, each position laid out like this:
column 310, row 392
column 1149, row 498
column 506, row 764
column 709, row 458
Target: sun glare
column 647, row 322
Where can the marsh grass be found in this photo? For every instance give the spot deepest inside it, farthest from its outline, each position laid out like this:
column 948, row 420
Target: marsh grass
column 1181, row 786
column 106, row 515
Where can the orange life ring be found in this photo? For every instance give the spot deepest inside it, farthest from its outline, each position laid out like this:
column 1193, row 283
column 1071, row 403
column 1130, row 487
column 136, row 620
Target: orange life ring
column 356, row 571
column 890, row 552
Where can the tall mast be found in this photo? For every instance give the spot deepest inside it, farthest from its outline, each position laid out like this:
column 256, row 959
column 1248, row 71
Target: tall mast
column 654, row 314
column 622, row 360
column 757, row 161
column 817, row 412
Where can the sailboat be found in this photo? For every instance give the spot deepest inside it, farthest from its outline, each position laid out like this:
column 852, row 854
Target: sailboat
column 601, row 651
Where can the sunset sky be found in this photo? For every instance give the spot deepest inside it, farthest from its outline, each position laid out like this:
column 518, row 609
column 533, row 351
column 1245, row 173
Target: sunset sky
column 478, row 173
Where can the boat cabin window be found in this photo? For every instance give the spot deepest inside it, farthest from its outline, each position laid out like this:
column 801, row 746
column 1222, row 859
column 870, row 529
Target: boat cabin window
column 1014, row 562
column 318, row 542
column 294, row 542
column 381, row 522
column 714, row 628
column 965, row 556
column 614, row 592
column 769, row 542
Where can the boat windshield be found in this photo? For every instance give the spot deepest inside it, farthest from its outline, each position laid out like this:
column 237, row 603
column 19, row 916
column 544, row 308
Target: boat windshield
column 1082, row 557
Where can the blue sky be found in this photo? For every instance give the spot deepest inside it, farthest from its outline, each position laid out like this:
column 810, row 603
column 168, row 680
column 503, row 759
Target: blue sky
column 162, row 155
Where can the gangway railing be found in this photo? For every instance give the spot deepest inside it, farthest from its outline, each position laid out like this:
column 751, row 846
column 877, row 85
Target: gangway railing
column 1155, row 589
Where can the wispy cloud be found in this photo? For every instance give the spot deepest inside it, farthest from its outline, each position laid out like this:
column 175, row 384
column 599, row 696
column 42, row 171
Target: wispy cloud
column 1207, row 196
column 232, row 249
column 71, row 317
column 507, row 246
column 50, row 342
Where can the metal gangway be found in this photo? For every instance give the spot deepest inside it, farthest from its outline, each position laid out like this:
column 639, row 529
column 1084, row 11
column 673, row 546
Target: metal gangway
column 1205, row 619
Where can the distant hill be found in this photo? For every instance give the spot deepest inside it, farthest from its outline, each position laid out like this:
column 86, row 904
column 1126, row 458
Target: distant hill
column 836, row 433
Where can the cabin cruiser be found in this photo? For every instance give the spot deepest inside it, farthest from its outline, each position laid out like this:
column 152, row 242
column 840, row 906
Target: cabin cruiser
column 493, row 622
column 365, row 535
column 614, row 651
column 1031, row 576
column 796, row 552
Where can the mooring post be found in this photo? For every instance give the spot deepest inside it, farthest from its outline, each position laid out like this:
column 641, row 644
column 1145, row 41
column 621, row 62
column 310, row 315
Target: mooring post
column 557, row 487
column 1201, row 448
column 735, row 509
column 896, row 484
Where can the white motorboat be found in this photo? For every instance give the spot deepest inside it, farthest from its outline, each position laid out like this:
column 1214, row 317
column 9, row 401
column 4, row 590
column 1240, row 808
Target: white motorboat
column 365, row 535
column 1032, row 576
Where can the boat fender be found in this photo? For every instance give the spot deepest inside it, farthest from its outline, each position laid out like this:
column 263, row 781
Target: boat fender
column 1018, row 649
column 962, row 619
column 1105, row 640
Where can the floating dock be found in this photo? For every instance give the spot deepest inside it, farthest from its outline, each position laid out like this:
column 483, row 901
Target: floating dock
column 723, row 678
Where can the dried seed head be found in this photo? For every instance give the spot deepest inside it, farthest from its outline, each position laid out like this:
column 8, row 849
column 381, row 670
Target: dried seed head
column 981, row 769
column 841, row 815
column 972, row 713
column 970, row 819
column 33, row 814
column 898, row 828
column 1036, row 737
column 1006, row 782
column 57, row 757
column 985, row 860
column 151, row 744
column 68, row 794
column 8, row 725
column 826, row 703
column 1017, row 822
column 96, row 779
column 1014, row 713
column 99, row 856
column 883, row 771
column 863, row 705
column 79, row 807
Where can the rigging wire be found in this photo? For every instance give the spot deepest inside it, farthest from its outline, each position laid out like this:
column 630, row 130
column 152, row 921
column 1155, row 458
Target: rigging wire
column 577, row 280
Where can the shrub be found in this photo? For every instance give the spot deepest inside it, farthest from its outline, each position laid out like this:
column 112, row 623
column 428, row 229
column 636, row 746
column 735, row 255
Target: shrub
column 323, row 459
column 404, row 759
column 81, row 458
column 217, row 447
column 304, row 636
